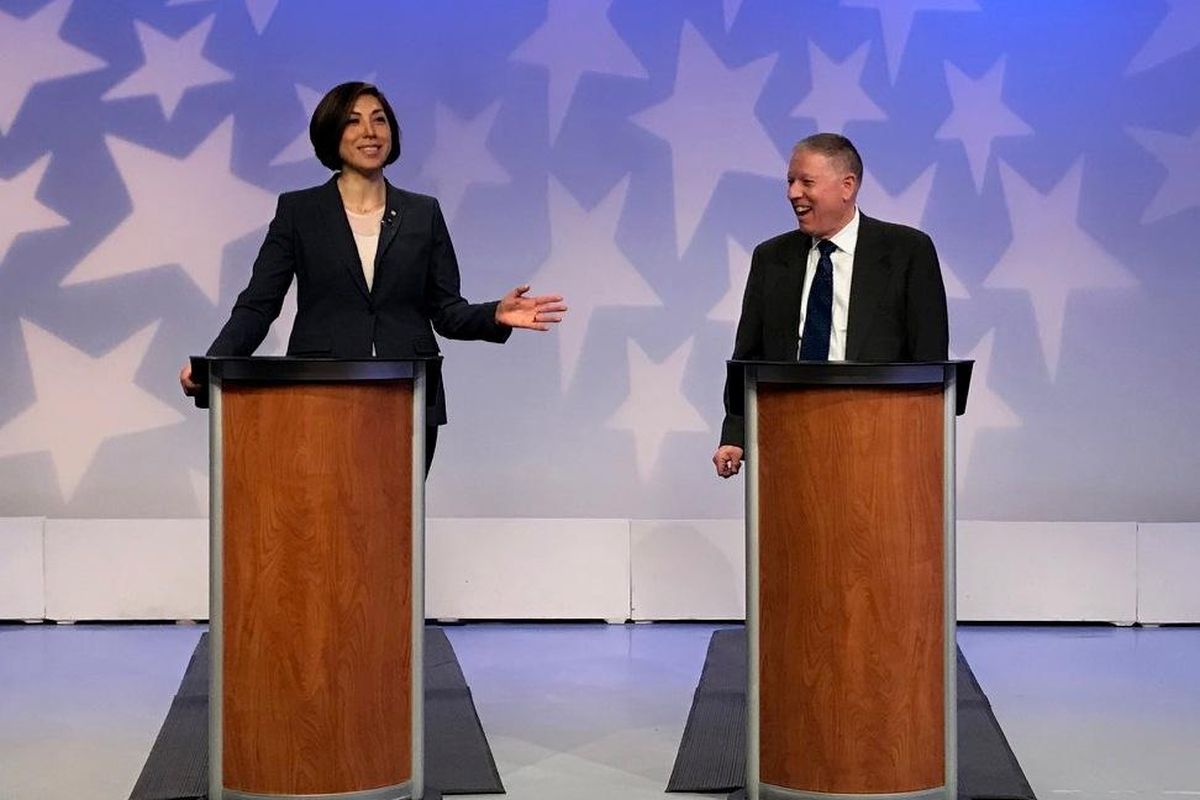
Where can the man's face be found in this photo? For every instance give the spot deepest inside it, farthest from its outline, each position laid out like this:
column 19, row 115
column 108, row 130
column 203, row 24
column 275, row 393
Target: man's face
column 821, row 192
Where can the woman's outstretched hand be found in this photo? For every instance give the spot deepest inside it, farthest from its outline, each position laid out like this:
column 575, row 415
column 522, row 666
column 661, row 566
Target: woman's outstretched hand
column 537, row 313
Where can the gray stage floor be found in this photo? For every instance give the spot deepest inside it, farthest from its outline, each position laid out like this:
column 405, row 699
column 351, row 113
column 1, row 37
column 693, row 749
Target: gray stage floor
column 596, row 711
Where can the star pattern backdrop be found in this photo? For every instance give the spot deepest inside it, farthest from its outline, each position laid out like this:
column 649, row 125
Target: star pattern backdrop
column 629, row 155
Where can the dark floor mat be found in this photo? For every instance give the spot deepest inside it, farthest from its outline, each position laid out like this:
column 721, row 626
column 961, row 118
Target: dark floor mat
column 712, row 754
column 458, row 759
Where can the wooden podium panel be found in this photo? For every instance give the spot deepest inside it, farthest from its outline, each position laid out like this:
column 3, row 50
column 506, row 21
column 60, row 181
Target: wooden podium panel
column 317, row 604
column 851, row 613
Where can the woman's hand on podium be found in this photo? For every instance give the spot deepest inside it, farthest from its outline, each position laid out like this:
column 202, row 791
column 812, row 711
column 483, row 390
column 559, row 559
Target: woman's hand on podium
column 728, row 459
column 536, row 313
column 190, row 387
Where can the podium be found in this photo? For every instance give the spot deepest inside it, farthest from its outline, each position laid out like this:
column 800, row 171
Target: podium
column 850, row 578
column 316, row 577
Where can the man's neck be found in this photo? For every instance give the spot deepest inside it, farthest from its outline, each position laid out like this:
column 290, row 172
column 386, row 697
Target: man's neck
column 849, row 218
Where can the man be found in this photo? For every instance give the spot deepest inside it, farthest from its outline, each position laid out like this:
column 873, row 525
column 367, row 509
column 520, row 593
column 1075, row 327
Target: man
column 844, row 287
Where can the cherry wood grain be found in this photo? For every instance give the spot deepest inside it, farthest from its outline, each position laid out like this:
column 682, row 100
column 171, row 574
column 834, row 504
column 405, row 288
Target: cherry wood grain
column 317, row 576
column 851, row 600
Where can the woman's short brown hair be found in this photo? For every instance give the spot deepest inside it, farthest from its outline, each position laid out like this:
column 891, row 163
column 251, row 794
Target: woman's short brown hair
column 333, row 112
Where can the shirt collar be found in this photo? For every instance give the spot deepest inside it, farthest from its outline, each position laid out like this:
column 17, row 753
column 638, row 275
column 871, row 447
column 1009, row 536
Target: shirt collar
column 846, row 238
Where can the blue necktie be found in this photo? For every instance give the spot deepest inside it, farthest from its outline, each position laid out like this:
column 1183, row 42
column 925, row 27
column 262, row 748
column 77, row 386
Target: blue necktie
column 818, row 317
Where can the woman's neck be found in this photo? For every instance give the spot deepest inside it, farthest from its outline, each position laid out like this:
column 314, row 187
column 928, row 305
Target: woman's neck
column 362, row 193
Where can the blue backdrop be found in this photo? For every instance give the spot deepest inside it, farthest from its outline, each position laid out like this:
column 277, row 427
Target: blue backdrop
column 629, row 155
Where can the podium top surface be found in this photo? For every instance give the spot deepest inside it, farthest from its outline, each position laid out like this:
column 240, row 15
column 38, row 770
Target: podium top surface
column 283, row 369
column 862, row 373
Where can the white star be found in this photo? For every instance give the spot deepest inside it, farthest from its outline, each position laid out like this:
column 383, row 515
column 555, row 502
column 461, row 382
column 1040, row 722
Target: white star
column 896, row 21
column 586, row 266
column 1178, row 32
column 72, row 429
column 908, row 208
column 711, row 126
column 729, row 307
column 301, row 148
column 656, row 404
column 460, row 155
column 955, row 288
column 172, row 66
column 985, row 408
column 185, row 210
column 32, row 52
column 979, row 116
column 1180, row 155
column 730, row 9
column 261, row 12
column 837, row 96
column 1050, row 256
column 576, row 38
column 22, row 210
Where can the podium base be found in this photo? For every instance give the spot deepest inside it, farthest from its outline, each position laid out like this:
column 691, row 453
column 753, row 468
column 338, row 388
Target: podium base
column 767, row 792
column 400, row 791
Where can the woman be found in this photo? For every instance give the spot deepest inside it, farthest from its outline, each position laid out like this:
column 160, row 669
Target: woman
column 375, row 270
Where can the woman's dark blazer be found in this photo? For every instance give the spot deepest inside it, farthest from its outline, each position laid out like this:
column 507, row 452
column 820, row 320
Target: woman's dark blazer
column 415, row 291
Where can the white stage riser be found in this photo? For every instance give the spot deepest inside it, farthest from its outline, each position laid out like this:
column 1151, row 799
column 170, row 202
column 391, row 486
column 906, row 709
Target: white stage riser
column 608, row 569
column 22, row 568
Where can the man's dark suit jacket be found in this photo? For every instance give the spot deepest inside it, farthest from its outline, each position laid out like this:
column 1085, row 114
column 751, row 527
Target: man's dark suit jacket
column 415, row 290
column 897, row 303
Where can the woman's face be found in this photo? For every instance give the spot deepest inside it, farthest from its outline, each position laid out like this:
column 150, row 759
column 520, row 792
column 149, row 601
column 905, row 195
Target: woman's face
column 367, row 138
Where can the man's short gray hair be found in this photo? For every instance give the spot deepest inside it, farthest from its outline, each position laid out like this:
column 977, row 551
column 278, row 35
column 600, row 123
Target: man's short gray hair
column 834, row 145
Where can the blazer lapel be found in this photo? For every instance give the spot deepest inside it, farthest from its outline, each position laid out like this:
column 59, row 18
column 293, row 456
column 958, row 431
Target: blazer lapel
column 867, row 284
column 333, row 215
column 392, row 214
column 784, row 291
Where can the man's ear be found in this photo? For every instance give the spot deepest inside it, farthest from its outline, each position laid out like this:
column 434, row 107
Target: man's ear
column 849, row 185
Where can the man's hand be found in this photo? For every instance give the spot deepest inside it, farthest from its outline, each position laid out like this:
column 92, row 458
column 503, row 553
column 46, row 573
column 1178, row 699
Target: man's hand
column 190, row 387
column 728, row 460
column 535, row 313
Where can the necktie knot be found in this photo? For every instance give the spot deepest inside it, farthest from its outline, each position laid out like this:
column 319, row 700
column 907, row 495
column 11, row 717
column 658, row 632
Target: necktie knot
column 826, row 247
